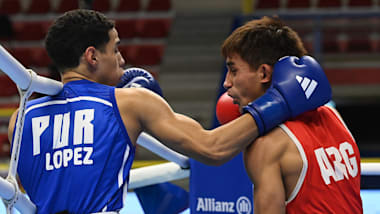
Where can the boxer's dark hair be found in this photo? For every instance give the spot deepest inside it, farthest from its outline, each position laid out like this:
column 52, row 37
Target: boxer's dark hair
column 263, row 41
column 73, row 32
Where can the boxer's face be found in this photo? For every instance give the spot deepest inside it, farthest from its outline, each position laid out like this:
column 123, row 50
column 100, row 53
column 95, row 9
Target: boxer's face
column 242, row 82
column 111, row 62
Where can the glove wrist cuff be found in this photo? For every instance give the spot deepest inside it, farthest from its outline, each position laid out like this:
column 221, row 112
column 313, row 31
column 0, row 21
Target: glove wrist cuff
column 256, row 117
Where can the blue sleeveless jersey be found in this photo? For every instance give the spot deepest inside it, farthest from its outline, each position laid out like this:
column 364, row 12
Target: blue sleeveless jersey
column 76, row 153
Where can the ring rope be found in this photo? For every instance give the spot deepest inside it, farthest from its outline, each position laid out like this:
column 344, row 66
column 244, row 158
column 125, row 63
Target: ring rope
column 158, row 148
column 155, row 174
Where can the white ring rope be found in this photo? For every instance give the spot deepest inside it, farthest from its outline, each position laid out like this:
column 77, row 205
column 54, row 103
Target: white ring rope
column 157, row 147
column 155, row 174
column 370, row 168
column 26, row 79
column 22, row 203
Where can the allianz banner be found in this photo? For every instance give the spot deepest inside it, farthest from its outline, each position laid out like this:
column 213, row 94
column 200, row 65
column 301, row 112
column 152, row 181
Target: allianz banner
column 222, row 189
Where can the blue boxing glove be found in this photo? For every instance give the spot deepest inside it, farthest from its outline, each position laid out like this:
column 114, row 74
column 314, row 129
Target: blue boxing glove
column 298, row 85
column 138, row 77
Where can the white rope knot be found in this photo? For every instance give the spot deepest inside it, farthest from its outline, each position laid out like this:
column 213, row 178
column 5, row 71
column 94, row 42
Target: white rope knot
column 12, row 201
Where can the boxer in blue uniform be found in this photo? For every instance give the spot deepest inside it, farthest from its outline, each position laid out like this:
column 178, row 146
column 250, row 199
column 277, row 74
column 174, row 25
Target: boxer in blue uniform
column 78, row 146
column 80, row 154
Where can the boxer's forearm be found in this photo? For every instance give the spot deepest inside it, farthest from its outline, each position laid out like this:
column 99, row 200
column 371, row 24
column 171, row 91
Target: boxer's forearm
column 214, row 147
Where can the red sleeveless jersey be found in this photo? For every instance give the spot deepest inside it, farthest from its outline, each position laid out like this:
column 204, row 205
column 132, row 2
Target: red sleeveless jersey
column 330, row 178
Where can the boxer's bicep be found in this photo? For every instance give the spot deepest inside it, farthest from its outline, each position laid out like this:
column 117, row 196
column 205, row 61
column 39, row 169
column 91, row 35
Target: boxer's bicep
column 155, row 116
column 177, row 131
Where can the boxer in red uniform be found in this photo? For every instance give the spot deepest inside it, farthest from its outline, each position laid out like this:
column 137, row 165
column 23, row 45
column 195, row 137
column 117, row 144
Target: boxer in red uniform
column 330, row 176
column 310, row 163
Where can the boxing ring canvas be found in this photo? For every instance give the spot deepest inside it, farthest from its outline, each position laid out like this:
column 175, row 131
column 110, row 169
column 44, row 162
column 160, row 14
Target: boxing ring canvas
column 370, row 198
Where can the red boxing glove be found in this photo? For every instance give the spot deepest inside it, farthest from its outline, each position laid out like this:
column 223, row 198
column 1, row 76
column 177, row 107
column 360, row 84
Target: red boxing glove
column 226, row 110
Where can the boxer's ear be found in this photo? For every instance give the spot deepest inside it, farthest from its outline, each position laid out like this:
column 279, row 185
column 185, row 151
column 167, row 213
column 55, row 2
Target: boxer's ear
column 89, row 55
column 265, row 72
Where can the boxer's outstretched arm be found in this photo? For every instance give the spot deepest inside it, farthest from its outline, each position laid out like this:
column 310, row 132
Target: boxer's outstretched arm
column 182, row 133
